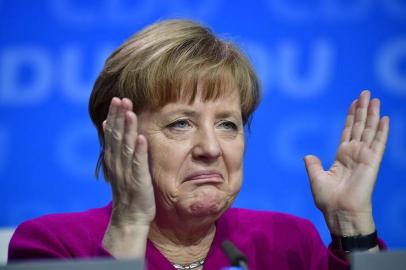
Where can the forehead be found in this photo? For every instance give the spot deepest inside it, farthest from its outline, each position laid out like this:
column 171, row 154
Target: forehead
column 226, row 104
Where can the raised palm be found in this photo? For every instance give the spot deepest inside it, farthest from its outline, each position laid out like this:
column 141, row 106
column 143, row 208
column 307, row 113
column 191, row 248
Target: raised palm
column 348, row 184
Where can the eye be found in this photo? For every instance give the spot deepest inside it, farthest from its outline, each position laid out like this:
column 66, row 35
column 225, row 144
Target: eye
column 228, row 125
column 180, row 124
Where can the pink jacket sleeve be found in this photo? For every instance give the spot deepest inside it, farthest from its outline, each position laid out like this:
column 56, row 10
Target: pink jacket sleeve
column 39, row 240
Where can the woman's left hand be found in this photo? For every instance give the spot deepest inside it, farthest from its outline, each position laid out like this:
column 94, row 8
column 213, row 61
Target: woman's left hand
column 343, row 193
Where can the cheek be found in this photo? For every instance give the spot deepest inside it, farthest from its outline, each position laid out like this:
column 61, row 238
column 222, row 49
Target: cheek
column 165, row 160
column 234, row 154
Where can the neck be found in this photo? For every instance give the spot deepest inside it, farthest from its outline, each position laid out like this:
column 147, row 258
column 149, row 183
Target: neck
column 182, row 240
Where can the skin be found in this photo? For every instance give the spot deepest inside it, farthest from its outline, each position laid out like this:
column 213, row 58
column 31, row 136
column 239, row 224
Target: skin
column 343, row 192
column 205, row 138
column 150, row 158
column 186, row 167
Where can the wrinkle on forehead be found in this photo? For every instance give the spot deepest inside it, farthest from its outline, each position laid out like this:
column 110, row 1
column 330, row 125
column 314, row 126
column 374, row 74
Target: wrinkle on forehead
column 227, row 103
column 207, row 89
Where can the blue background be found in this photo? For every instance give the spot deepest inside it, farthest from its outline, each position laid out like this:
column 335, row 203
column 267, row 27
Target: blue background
column 313, row 57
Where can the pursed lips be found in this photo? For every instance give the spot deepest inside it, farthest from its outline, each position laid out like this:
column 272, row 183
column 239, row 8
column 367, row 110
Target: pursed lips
column 204, row 176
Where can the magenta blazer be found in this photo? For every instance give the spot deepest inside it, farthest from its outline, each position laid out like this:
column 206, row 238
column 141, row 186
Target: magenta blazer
column 270, row 240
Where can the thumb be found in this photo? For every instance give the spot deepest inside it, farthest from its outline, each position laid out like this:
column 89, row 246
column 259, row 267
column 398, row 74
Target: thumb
column 313, row 167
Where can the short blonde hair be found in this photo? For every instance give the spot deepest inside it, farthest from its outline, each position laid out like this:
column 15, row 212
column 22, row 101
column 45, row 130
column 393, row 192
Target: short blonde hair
column 163, row 63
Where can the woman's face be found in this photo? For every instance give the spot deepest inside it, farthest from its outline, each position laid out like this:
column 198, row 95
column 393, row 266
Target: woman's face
column 196, row 154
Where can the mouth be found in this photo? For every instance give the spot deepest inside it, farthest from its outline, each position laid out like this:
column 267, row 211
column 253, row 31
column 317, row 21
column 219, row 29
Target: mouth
column 205, row 176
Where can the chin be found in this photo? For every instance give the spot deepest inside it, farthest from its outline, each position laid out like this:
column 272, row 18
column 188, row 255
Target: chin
column 207, row 202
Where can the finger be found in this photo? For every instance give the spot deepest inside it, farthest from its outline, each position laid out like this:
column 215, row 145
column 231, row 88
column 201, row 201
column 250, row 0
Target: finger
column 379, row 143
column 140, row 160
column 346, row 135
column 128, row 105
column 130, row 136
column 360, row 115
column 108, row 125
column 118, row 132
column 314, row 167
column 372, row 122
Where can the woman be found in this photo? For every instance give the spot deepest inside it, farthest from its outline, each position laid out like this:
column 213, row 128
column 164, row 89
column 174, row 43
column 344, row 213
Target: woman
column 170, row 107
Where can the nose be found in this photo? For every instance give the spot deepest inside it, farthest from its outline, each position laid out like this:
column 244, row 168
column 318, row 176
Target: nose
column 206, row 146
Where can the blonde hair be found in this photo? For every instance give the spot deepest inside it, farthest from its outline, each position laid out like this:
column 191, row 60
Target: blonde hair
column 164, row 63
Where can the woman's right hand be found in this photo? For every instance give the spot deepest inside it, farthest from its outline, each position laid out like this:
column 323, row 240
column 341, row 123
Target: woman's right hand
column 126, row 159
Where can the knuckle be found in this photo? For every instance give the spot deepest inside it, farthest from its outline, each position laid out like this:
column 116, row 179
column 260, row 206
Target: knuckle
column 127, row 151
column 116, row 135
column 108, row 128
column 136, row 162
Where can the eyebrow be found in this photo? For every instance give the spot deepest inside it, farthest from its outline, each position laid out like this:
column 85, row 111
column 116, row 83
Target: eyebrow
column 183, row 111
column 192, row 113
column 228, row 113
